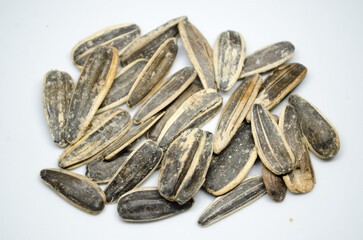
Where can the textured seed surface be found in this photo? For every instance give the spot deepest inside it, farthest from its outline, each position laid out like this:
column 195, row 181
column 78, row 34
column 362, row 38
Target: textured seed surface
column 194, row 112
column 185, row 165
column 275, row 186
column 154, row 71
column 171, row 109
column 92, row 86
column 271, row 144
column 146, row 204
column 244, row 194
column 321, row 136
column 267, row 58
column 302, row 178
column 165, row 94
column 199, row 52
column 136, row 169
column 231, row 166
column 57, row 93
column 146, row 45
column 76, row 189
column 235, row 111
column 118, row 36
column 122, row 84
column 228, row 57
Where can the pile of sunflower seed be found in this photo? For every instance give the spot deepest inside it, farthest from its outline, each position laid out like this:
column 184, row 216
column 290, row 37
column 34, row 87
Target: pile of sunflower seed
column 87, row 121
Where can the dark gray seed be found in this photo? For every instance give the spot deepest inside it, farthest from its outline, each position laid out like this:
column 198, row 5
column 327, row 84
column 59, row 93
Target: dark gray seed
column 267, row 58
column 152, row 74
column 231, row 166
column 136, row 169
column 244, row 194
column 146, row 45
column 271, row 144
column 165, row 94
column 92, row 86
column 146, row 204
column 57, row 93
column 274, row 184
column 302, row 178
column 228, row 57
column 75, row 189
column 321, row 136
column 199, row 52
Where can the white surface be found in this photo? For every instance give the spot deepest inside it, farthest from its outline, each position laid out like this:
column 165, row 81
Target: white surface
column 37, row 36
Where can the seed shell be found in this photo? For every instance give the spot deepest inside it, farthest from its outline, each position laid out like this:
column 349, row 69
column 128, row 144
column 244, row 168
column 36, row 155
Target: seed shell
column 146, row 204
column 199, row 52
column 247, row 192
column 93, row 84
column 228, row 57
column 271, row 144
column 146, row 45
column 302, row 178
column 154, row 71
column 165, row 94
column 135, row 170
column 321, row 136
column 231, row 166
column 235, row 111
column 119, row 37
column 57, row 93
column 76, row 189
column 268, row 58
column 275, row 186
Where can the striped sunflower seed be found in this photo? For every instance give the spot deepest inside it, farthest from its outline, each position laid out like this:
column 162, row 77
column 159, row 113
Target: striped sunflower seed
column 185, row 165
column 228, row 57
column 267, row 58
column 275, row 186
column 119, row 37
column 302, row 178
column 154, row 71
column 146, row 204
column 92, row 86
column 146, row 45
column 75, row 189
column 57, row 93
column 136, row 169
column 199, row 52
column 165, row 94
column 321, row 136
column 247, row 192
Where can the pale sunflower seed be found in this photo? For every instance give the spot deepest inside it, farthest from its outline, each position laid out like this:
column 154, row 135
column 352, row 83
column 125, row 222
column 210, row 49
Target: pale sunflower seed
column 275, row 186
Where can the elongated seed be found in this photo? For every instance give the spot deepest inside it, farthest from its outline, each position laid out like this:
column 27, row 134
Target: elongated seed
column 274, row 184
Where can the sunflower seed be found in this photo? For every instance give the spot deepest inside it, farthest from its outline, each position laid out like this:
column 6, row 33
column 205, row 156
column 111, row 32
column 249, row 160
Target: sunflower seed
column 185, row 165
column 194, row 112
column 247, row 192
column 146, row 204
column 231, row 166
column 122, row 84
column 275, row 118
column 93, row 84
column 155, row 130
column 119, row 37
column 136, row 169
column 146, row 45
column 302, row 178
column 154, row 71
column 267, row 58
column 228, row 57
column 275, row 186
column 57, row 93
column 235, row 111
column 165, row 94
column 321, row 136
column 271, row 144
column 75, row 189
column 116, row 124
column 199, row 53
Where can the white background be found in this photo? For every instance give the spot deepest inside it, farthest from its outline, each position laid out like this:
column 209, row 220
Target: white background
column 37, row 36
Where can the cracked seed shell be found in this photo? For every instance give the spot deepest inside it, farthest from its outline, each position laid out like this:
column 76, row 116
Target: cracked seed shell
column 275, row 186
